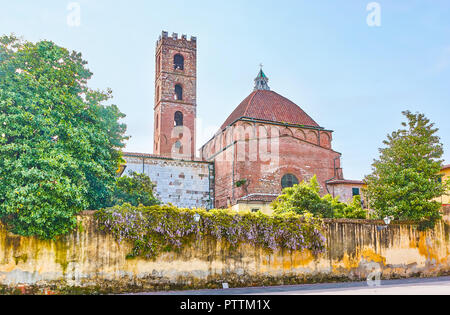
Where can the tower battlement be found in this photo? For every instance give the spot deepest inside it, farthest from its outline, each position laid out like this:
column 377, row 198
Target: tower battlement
column 164, row 37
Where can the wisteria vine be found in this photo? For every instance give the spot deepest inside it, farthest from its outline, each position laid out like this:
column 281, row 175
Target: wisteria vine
column 166, row 228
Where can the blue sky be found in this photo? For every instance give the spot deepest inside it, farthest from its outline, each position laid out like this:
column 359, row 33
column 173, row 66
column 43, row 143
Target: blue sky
column 351, row 78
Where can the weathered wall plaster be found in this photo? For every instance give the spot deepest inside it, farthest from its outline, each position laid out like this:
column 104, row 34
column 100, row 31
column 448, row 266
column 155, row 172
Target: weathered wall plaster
column 91, row 258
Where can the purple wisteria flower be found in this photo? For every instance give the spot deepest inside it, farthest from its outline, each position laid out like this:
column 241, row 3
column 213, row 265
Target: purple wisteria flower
column 161, row 228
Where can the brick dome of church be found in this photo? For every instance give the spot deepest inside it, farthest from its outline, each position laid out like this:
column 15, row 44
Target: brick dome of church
column 264, row 104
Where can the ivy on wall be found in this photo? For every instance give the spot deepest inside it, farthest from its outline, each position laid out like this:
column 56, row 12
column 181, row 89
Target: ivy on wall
column 157, row 229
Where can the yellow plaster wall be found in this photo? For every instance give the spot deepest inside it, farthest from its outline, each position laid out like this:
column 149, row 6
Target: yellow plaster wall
column 446, row 198
column 248, row 207
column 90, row 258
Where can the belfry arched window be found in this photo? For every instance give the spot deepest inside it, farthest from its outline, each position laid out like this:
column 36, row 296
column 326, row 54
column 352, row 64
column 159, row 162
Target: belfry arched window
column 178, row 119
column 178, row 92
column 289, row 180
column 178, row 62
column 158, row 64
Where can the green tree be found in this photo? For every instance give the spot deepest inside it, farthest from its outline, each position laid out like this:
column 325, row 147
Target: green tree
column 353, row 210
column 136, row 189
column 303, row 198
column 59, row 143
column 405, row 181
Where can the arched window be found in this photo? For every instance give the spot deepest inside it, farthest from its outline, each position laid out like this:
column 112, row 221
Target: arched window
column 178, row 62
column 178, row 92
column 289, row 180
column 178, row 120
column 158, row 64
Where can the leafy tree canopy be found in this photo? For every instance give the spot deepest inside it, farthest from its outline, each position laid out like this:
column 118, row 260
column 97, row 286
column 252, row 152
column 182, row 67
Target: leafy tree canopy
column 136, row 189
column 305, row 198
column 59, row 143
column 352, row 210
column 405, row 182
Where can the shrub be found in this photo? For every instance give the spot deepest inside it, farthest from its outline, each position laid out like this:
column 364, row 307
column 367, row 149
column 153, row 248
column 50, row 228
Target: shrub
column 241, row 183
column 353, row 210
column 305, row 198
column 158, row 229
column 135, row 189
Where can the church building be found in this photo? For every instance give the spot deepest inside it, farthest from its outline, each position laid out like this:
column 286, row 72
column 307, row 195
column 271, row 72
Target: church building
column 266, row 144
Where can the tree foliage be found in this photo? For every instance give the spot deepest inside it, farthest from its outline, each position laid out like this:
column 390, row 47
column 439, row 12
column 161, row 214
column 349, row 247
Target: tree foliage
column 352, row 210
column 305, row 198
column 136, row 189
column 404, row 181
column 59, row 143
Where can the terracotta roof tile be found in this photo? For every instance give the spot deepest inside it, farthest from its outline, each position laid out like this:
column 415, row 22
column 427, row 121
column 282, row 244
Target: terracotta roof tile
column 270, row 106
column 259, row 197
column 346, row 181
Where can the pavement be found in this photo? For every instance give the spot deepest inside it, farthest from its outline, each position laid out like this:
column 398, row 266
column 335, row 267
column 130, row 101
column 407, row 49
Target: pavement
column 412, row 286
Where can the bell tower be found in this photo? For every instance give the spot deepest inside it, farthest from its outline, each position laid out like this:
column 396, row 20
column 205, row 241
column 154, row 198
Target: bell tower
column 175, row 96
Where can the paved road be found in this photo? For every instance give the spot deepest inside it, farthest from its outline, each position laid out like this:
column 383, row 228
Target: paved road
column 428, row 286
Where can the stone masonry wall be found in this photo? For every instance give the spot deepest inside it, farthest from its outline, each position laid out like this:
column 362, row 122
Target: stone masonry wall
column 185, row 184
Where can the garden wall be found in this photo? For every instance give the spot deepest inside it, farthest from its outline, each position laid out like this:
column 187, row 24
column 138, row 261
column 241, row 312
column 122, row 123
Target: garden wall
column 91, row 259
column 185, row 184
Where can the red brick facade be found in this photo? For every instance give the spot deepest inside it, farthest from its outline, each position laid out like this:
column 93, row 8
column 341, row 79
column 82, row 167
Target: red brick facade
column 171, row 141
column 262, row 153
